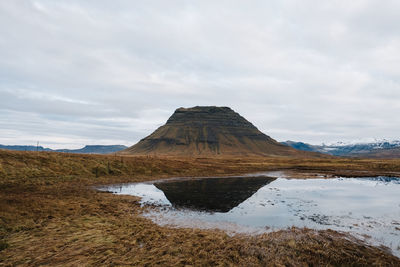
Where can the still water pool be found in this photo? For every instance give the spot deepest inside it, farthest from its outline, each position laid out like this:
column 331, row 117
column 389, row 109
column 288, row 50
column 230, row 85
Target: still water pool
column 368, row 208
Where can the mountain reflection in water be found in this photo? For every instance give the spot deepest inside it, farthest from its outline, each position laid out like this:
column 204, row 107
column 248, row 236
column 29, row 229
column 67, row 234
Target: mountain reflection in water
column 367, row 207
column 212, row 194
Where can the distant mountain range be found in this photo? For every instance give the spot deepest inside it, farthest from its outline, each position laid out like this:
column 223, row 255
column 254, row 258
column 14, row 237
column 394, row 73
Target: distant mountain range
column 89, row 149
column 377, row 149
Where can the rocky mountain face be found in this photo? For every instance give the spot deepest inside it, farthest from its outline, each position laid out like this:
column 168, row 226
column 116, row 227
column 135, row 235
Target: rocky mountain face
column 378, row 149
column 208, row 131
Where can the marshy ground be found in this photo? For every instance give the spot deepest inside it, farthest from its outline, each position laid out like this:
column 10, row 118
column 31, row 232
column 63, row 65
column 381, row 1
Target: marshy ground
column 51, row 215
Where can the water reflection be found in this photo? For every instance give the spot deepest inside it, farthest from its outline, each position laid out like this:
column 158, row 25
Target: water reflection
column 368, row 208
column 148, row 192
column 212, row 194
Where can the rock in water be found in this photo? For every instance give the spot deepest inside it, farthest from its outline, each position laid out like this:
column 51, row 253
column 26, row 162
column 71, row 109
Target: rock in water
column 209, row 131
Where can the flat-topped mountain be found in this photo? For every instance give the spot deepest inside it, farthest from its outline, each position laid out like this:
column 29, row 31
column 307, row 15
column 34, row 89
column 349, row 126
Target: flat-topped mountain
column 209, row 131
column 88, row 149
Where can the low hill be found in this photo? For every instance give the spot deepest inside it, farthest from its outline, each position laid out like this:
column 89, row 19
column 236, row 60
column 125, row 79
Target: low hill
column 388, row 153
column 95, row 149
column 304, row 146
column 210, row 131
column 24, row 148
column 89, row 149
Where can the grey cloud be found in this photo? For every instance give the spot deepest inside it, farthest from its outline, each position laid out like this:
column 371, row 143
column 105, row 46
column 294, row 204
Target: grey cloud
column 112, row 71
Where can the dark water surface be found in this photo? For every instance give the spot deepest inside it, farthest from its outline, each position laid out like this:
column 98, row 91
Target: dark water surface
column 368, row 208
column 212, row 194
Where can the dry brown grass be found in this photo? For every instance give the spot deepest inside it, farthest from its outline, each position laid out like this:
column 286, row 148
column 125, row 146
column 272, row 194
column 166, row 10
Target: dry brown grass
column 49, row 216
column 49, row 167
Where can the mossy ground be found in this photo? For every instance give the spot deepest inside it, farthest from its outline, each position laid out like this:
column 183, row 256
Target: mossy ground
column 50, row 215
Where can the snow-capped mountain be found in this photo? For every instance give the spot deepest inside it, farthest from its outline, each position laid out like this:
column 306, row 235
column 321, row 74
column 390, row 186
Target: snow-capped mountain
column 379, row 143
column 357, row 148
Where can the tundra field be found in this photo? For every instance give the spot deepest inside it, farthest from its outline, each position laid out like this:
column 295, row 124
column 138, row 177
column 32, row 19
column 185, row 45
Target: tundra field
column 51, row 215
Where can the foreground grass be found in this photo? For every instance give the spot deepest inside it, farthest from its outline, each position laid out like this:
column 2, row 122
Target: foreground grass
column 50, row 216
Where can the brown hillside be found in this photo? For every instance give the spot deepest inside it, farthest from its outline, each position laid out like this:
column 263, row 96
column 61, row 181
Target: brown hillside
column 210, row 131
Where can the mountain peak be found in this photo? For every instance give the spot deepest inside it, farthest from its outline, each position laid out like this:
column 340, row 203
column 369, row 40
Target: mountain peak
column 208, row 116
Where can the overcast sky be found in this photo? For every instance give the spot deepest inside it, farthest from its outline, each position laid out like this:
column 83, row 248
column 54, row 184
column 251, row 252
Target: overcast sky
column 110, row 72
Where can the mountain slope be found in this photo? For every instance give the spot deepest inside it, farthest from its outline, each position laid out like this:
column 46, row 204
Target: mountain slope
column 304, row 146
column 209, row 131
